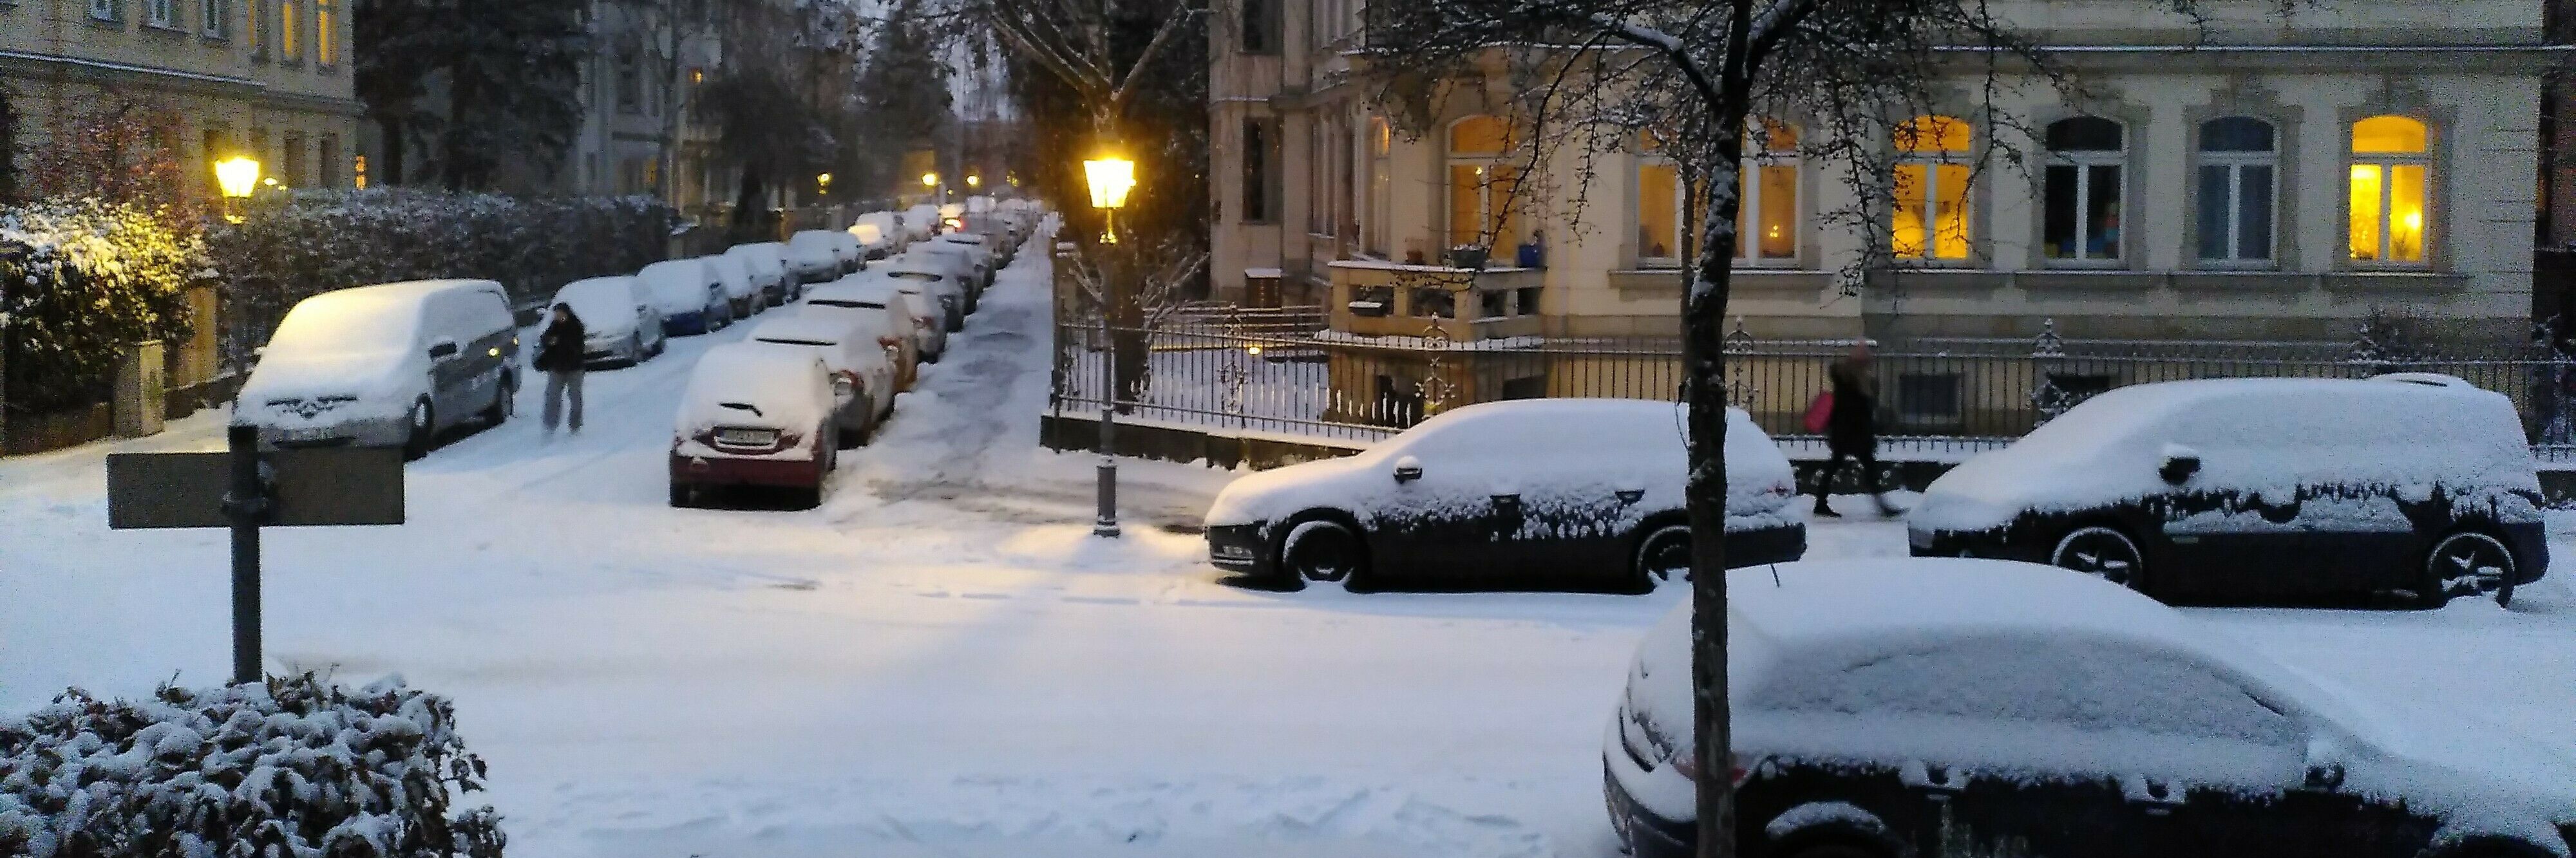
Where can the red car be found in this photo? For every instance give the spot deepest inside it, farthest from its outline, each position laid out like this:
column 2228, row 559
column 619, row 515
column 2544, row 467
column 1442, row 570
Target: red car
column 756, row 414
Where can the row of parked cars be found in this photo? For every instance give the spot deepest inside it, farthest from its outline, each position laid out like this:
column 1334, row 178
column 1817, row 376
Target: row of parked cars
column 2017, row 685
column 398, row 364
column 775, row 410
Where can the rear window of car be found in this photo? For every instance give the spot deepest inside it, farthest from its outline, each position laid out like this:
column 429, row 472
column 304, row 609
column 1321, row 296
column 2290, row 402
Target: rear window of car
column 2085, row 685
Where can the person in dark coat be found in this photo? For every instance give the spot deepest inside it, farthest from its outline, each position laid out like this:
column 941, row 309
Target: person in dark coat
column 1851, row 429
column 559, row 356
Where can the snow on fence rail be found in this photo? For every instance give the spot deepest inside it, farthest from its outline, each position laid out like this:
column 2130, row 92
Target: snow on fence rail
column 1940, row 400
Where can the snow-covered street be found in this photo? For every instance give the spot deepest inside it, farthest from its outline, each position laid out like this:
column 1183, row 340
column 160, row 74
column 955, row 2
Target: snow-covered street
column 942, row 661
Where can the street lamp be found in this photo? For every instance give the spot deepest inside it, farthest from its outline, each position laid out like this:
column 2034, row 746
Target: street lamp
column 1110, row 179
column 974, row 181
column 237, row 177
column 823, row 183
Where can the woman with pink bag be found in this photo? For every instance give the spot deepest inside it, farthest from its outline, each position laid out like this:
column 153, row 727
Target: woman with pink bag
column 1847, row 415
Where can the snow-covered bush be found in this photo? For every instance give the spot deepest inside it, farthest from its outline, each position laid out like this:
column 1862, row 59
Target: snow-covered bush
column 79, row 281
column 294, row 245
column 293, row 768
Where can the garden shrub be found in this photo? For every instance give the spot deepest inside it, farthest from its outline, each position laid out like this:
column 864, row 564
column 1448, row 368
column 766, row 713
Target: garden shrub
column 80, row 280
column 292, row 767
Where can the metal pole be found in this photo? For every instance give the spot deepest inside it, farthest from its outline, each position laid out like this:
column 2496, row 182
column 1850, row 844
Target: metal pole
column 246, row 503
column 1107, row 525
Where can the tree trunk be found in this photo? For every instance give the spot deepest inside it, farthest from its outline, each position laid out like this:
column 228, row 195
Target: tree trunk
column 1704, row 368
column 390, row 172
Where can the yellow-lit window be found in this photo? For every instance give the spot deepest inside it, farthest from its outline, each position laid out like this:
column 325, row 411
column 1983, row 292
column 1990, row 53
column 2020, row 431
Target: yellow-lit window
column 325, row 47
column 2391, row 173
column 1931, row 193
column 1482, row 184
column 287, row 46
column 1766, row 219
column 1380, row 138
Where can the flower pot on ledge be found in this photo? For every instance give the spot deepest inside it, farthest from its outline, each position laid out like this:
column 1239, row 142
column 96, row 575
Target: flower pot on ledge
column 1468, row 257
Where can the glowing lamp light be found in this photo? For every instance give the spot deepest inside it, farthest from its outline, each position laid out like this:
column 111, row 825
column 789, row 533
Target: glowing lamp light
column 974, row 181
column 823, row 180
column 2414, row 221
column 1110, row 179
column 237, row 176
column 930, row 180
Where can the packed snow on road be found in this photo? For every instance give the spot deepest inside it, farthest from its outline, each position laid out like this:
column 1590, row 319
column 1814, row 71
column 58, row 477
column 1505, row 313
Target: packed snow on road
column 941, row 660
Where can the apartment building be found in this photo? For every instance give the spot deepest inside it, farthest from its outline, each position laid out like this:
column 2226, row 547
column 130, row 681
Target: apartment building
column 2256, row 177
column 266, row 78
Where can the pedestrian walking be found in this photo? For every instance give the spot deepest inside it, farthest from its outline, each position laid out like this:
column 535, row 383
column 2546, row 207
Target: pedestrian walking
column 1851, row 429
column 559, row 357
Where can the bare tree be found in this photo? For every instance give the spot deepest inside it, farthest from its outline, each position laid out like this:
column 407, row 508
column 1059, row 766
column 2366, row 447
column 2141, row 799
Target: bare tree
column 1697, row 72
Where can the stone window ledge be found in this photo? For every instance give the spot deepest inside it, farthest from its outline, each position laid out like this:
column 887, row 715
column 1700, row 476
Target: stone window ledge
column 1751, row 283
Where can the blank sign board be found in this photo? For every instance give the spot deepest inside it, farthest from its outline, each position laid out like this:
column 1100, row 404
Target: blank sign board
column 333, row 486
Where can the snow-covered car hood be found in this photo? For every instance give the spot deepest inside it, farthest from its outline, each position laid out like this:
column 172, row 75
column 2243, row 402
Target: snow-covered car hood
column 336, row 386
column 1263, row 495
column 2479, row 777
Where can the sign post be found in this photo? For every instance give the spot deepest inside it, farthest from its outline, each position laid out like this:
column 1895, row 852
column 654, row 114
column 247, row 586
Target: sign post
column 244, row 489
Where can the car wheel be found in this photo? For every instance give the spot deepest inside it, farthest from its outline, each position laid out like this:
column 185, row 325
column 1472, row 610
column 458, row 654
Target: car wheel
column 2102, row 552
column 1663, row 557
column 2468, row 563
column 1325, row 551
column 424, row 429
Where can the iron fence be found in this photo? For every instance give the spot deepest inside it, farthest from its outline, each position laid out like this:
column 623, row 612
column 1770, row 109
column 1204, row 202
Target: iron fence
column 1277, row 371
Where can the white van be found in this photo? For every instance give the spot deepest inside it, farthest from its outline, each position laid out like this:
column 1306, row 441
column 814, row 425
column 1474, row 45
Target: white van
column 385, row 366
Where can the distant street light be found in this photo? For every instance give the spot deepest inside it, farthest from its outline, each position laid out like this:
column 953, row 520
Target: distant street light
column 238, row 177
column 973, row 181
column 823, row 182
column 1110, row 179
column 930, row 180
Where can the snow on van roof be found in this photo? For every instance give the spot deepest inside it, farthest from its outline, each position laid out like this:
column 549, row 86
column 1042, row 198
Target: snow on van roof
column 2254, row 435
column 415, row 289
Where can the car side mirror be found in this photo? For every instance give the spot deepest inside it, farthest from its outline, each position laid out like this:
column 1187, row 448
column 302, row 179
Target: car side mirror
column 2324, row 764
column 442, row 349
column 1407, row 469
column 2180, row 464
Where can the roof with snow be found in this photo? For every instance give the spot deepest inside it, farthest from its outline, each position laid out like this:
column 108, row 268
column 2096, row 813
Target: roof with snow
column 803, row 326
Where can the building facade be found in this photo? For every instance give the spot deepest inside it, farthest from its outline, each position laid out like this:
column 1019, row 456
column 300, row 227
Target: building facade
column 2254, row 178
column 264, row 78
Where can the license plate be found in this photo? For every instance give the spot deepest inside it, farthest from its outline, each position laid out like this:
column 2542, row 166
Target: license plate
column 746, row 437
column 309, row 434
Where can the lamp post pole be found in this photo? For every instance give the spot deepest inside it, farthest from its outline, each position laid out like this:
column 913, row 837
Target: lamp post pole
column 1110, row 179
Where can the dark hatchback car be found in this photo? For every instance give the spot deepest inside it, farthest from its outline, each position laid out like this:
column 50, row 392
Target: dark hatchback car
column 1540, row 492
column 1894, row 707
column 2226, row 489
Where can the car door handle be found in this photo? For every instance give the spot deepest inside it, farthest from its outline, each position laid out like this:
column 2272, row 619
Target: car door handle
column 2141, row 789
column 1510, row 500
column 1627, row 496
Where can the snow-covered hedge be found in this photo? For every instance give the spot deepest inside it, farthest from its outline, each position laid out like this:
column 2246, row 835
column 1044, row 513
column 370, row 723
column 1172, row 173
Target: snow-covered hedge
column 293, row 768
column 79, row 280
column 294, row 245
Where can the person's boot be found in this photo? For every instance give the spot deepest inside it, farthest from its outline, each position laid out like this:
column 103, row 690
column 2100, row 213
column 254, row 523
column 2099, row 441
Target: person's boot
column 1823, row 511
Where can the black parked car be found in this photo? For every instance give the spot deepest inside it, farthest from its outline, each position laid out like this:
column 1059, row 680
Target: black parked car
column 1555, row 492
column 1890, row 708
column 2262, row 488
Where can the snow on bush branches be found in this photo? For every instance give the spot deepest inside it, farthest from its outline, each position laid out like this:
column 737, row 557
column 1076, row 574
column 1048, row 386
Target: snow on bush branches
column 295, row 245
column 79, row 281
column 292, row 768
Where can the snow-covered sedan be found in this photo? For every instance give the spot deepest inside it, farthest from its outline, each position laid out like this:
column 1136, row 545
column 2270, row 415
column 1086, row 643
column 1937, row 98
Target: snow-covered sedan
column 1547, row 492
column 881, row 311
column 742, row 293
column 940, row 281
column 620, row 326
column 863, row 380
column 814, row 256
column 2265, row 488
column 385, row 366
column 689, row 294
column 767, row 261
column 755, row 414
column 1898, row 707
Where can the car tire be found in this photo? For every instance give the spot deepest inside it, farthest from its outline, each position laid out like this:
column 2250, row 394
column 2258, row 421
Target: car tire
column 424, row 429
column 1653, row 566
column 2459, row 564
column 1321, row 550
column 2103, row 552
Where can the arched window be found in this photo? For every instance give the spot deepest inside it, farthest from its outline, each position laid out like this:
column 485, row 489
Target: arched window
column 1931, row 218
column 2080, row 205
column 2391, row 174
column 2239, row 165
column 1767, row 212
column 1481, row 182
